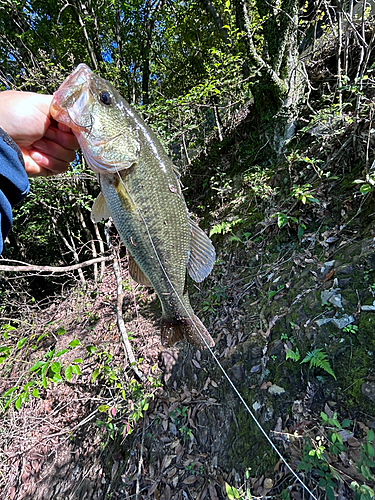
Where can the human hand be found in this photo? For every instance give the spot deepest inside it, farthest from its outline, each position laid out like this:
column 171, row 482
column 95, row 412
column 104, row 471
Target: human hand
column 47, row 146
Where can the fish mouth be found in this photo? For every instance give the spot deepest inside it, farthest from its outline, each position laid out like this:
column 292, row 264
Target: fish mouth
column 74, row 104
column 72, row 98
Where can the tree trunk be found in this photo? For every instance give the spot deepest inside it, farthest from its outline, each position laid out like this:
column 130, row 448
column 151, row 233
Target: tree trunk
column 280, row 87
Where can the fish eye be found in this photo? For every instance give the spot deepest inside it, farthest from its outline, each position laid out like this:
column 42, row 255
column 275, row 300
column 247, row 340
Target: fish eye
column 105, row 98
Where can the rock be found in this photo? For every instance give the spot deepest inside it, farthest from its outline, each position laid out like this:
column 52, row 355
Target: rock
column 275, row 389
column 257, row 405
column 237, row 372
column 332, row 296
column 323, row 321
column 345, row 270
column 275, row 348
column 368, row 389
column 344, row 321
column 368, row 307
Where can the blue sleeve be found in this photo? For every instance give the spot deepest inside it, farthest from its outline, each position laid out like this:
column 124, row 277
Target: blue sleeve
column 14, row 184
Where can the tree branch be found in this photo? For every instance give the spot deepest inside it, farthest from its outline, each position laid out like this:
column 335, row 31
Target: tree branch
column 120, row 298
column 53, row 269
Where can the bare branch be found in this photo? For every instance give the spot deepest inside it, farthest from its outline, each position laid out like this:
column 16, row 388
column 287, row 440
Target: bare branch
column 120, row 298
column 53, row 269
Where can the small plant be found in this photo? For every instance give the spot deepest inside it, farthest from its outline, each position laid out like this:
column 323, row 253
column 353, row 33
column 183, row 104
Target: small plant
column 272, row 293
column 315, row 458
column 352, row 329
column 216, row 295
column 302, row 193
column 46, row 370
column 293, row 355
column 367, row 185
column 232, row 492
column 318, row 359
column 287, row 220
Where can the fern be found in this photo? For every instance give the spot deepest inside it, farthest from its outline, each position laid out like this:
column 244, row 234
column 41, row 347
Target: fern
column 294, row 355
column 317, row 358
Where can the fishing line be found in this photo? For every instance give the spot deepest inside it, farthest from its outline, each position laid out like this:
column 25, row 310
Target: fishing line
column 214, row 355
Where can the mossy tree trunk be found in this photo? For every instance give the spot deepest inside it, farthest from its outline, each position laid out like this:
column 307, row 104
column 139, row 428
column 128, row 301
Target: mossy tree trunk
column 273, row 50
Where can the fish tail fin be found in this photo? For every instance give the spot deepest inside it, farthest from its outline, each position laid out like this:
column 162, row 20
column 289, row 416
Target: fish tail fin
column 192, row 329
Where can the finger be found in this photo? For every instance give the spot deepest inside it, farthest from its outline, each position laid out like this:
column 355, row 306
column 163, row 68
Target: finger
column 33, row 169
column 64, row 138
column 41, row 162
column 64, row 128
column 52, row 149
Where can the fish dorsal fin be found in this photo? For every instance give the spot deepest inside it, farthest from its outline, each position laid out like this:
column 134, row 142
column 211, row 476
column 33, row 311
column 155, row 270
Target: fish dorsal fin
column 137, row 274
column 202, row 254
column 100, row 209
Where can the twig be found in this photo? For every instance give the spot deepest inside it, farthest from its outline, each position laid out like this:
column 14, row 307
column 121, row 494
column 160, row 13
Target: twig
column 140, row 463
column 120, row 298
column 53, row 269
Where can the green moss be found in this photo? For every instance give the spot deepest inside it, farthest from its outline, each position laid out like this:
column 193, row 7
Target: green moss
column 247, row 446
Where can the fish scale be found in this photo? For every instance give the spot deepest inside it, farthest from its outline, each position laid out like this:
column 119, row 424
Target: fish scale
column 141, row 192
column 171, row 246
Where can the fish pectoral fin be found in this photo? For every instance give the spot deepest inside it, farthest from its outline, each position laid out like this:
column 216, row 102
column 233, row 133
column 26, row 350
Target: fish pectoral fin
column 202, row 254
column 100, row 209
column 137, row 274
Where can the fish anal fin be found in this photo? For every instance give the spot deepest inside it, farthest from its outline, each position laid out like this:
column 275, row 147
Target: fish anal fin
column 202, row 254
column 100, row 209
column 137, row 274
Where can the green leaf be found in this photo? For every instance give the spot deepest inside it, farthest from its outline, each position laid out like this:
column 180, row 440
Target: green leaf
column 37, row 365
column 232, row 493
column 330, row 493
column 301, row 231
column 55, row 367
column 35, row 393
column 365, row 188
column 95, row 374
column 370, row 436
column 103, row 408
column 21, row 342
column 9, row 391
column 74, row 343
column 60, row 353
column 77, row 360
column 18, row 402
column 61, row 331
column 293, row 355
column 282, row 220
column 57, row 378
column 76, row 370
column 318, row 359
column 68, row 373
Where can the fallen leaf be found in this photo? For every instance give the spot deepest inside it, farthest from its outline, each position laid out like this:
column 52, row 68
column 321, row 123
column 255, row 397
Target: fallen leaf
column 190, row 480
column 167, row 492
column 195, row 363
column 268, row 483
column 265, row 385
column 152, row 489
column 171, row 473
column 329, row 275
column 212, row 490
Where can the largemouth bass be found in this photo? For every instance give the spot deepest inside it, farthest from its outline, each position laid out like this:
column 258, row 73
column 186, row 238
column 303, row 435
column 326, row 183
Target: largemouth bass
column 141, row 191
